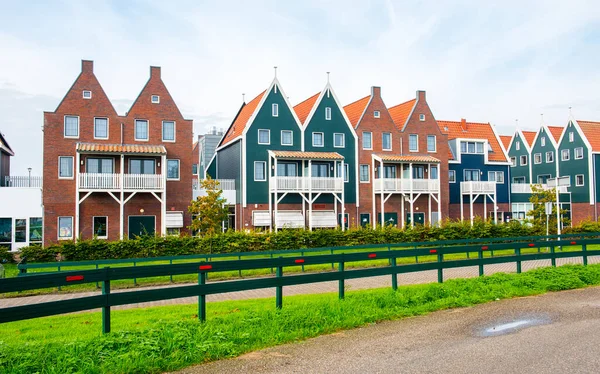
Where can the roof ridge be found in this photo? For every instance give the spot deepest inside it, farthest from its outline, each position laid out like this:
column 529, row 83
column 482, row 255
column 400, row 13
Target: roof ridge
column 303, row 101
column 356, row 101
column 406, row 102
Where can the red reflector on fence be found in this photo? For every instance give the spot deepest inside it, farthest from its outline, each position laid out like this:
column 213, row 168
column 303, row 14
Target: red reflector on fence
column 372, row 255
column 299, row 261
column 433, row 251
column 205, row 267
column 72, row 278
column 573, row 243
column 531, row 245
column 484, row 248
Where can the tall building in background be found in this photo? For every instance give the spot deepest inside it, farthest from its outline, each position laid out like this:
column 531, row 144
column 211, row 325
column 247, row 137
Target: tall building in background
column 204, row 151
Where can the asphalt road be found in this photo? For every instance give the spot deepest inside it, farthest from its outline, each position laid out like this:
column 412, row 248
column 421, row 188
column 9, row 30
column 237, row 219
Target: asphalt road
column 552, row 333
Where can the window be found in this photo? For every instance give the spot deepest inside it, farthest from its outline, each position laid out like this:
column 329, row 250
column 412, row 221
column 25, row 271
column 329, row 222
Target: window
column 173, row 231
column 413, row 143
column 155, row 99
column 275, row 110
column 543, row 179
column 496, row 176
column 264, row 136
column 471, row 147
column 571, row 137
column 65, row 167
column 376, row 114
column 20, row 230
column 141, row 129
column 579, row 180
column 99, row 165
column 386, row 141
column 578, row 153
column 339, row 140
column 260, row 171
column 537, row 158
column 389, row 171
column 194, row 168
column 565, row 154
column 319, row 170
column 346, row 171
column 518, row 146
column 100, row 227
column 431, row 146
column 367, row 140
column 364, row 173
column 519, row 180
column 479, row 147
column 287, row 169
column 452, row 176
column 65, row 228
column 523, row 160
column 87, row 94
column 173, row 169
column 142, row 166
column 100, row 128
column 35, row 230
column 543, row 141
column 549, row 157
column 328, row 113
column 421, row 117
column 513, row 161
column 168, row 131
column 287, row 137
column 71, row 127
column 318, row 139
column 418, row 172
column 471, row 175
column 433, row 173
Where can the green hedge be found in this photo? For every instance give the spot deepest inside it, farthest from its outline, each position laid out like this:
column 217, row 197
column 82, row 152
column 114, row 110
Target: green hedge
column 236, row 241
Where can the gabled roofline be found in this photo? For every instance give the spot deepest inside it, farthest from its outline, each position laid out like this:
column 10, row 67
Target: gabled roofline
column 579, row 130
column 504, row 151
column 5, row 146
column 364, row 110
column 520, row 132
column 337, row 101
column 411, row 113
column 231, row 124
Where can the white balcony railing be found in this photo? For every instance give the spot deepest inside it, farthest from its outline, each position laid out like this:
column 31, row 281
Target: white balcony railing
column 477, row 187
column 224, row 184
column 143, row 182
column 526, row 188
column 131, row 182
column 306, row 184
column 406, row 185
column 23, row 181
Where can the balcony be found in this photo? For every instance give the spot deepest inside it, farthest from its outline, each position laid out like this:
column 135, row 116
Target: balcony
column 477, row 187
column 306, row 184
column 226, row 185
column 23, row 181
column 114, row 182
column 400, row 185
column 526, row 188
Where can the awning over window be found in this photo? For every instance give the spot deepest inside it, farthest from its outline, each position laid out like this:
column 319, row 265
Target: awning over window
column 174, row 220
column 137, row 149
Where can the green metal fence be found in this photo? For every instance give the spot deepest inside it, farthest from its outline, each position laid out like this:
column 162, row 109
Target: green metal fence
column 577, row 245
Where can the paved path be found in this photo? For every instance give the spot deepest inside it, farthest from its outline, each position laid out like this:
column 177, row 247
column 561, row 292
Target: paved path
column 552, row 333
column 325, row 287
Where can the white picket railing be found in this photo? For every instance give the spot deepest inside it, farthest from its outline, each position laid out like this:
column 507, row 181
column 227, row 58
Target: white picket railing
column 405, row 185
column 107, row 182
column 143, row 182
column 526, row 188
column 306, row 184
column 477, row 187
column 23, row 181
column 224, row 184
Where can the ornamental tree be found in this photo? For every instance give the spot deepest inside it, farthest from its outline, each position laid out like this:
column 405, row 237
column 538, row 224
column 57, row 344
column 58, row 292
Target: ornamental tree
column 208, row 211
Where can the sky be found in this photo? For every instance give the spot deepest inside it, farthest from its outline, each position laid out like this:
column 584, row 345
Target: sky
column 486, row 61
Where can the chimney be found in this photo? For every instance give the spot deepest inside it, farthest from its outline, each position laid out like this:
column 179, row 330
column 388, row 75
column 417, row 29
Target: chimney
column 214, row 130
column 421, row 95
column 155, row 72
column 376, row 91
column 463, row 124
column 87, row 66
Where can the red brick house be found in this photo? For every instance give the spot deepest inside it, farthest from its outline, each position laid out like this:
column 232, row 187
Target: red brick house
column 111, row 176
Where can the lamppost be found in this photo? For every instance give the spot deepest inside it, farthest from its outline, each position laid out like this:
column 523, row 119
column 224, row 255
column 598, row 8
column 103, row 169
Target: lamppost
column 29, row 170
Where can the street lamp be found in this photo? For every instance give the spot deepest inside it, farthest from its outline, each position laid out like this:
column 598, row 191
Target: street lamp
column 29, row 170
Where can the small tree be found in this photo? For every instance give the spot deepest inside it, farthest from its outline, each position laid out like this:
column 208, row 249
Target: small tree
column 539, row 198
column 209, row 211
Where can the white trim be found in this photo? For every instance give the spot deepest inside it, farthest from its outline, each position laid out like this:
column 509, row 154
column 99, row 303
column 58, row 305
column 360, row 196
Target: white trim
column 264, row 169
column 413, row 150
column 142, row 159
column 575, row 153
column 368, row 173
column 391, row 142
column 94, row 228
column 107, row 128
column 135, row 120
column 322, row 137
column 178, row 169
column 582, row 178
column 550, row 153
column 422, row 117
column 72, row 167
column 571, row 137
column 275, row 109
column 376, row 114
column 58, row 228
column 534, row 158
column 258, row 136
column 434, row 144
column 157, row 99
column 562, row 154
column 526, row 160
column 162, row 132
column 65, row 127
column 513, row 164
column 292, row 137
column 83, row 94
column 542, row 141
column 496, row 172
column 327, row 113
column 363, row 141
column 343, row 140
column 454, row 173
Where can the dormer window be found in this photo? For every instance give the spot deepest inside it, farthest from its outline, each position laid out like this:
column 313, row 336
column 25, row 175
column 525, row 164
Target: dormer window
column 376, row 114
column 275, row 110
column 421, row 117
column 155, row 99
column 87, row 94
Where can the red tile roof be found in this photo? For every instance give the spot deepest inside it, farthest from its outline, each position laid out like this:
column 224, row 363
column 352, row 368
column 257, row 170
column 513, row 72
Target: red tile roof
column 121, row 148
column 356, row 109
column 529, row 136
column 474, row 130
column 407, row 158
column 591, row 130
column 505, row 140
column 237, row 128
column 308, row 155
column 401, row 112
column 303, row 109
column 556, row 132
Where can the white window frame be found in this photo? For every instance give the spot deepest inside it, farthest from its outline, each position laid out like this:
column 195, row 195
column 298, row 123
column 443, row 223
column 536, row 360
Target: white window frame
column 518, row 146
column 368, row 173
column 275, row 110
column 94, row 229
column 65, row 127
column 434, row 143
column 577, row 181
column 258, row 134
column 543, row 141
column 291, row 137
column 575, row 152
column 453, row 174
column 571, row 137
column 376, row 114
column 84, row 92
column 535, row 158
column 413, row 150
column 178, row 169
column 328, row 113
column 371, row 140
column 72, row 167
column 513, row 161
column 322, row 137
column 550, row 153
column 343, row 140
column 58, row 228
column 162, row 135
column 135, row 121
column 495, row 173
column 564, row 152
column 107, row 128
column 157, row 101
column 346, row 171
column 521, row 163
column 391, row 141
column 264, row 163
column 422, row 117
column 177, row 229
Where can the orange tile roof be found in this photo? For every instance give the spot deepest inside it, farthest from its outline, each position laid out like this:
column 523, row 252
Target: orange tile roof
column 308, row 155
column 529, row 136
column 407, row 158
column 401, row 112
column 591, row 130
column 474, row 130
column 505, row 140
column 121, row 148
column 556, row 132
column 303, row 109
column 237, row 128
column 356, row 109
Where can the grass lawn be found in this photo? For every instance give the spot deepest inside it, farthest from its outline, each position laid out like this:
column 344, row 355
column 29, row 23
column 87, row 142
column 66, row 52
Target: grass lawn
column 168, row 338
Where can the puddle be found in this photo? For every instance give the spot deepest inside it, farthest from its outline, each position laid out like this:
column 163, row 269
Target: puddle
column 514, row 325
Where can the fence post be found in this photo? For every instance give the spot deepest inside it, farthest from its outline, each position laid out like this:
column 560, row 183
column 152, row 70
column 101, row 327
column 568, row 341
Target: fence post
column 585, row 257
column 271, row 259
column 302, row 254
column 389, row 259
column 59, row 272
column 202, row 298
column 134, row 279
column 279, row 289
column 332, row 265
column 240, row 271
column 440, row 258
column 480, row 256
column 171, row 276
column 553, row 259
column 97, row 284
column 518, row 253
column 341, row 281
column 394, row 274
column 106, row 307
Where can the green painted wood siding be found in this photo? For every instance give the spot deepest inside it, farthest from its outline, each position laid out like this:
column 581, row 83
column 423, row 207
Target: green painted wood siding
column 545, row 168
column 337, row 124
column 574, row 167
column 519, row 170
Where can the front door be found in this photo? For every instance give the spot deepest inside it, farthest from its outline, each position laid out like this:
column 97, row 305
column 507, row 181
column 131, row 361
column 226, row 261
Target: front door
column 390, row 218
column 141, row 225
column 365, row 219
column 419, row 218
